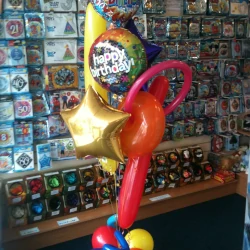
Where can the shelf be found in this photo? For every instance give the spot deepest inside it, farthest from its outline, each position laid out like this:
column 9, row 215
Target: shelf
column 243, row 132
column 50, row 233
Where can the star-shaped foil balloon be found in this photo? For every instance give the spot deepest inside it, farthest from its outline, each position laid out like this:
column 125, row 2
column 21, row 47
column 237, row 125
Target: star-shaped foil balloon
column 95, row 127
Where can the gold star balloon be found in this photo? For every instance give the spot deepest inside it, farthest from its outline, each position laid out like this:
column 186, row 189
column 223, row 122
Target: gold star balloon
column 95, row 127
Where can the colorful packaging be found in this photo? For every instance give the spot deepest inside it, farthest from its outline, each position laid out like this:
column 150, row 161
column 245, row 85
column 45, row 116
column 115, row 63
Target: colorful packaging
column 232, row 123
column 19, row 80
column 7, row 135
column 235, row 105
column 23, row 158
column 6, row 160
column 81, row 83
column 23, row 133
column 182, row 49
column 224, row 51
column 172, row 50
column 36, row 79
column 228, row 30
column 223, row 106
column 40, row 129
column 4, row 54
column 57, row 126
column 211, row 27
column 174, row 28
column 232, row 68
column 80, row 25
column 236, row 87
column 194, row 27
column 238, row 8
column 40, row 104
column 17, row 55
column 193, row 50
column 195, row 7
column 71, row 180
column 53, row 184
column 209, row 49
column 13, row 26
column 32, row 6
column 58, row 6
column 225, row 88
column 34, row 52
column 60, row 51
column 80, row 51
column 241, row 28
column 6, row 109
column 159, row 28
column 218, row 7
column 12, row 6
column 69, row 99
column 34, row 25
column 44, row 160
column 5, row 82
column 140, row 23
column 23, row 106
column 60, row 25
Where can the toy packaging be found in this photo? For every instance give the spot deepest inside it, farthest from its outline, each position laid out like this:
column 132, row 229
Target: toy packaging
column 36, row 211
column 199, row 127
column 195, row 7
column 57, row 126
column 182, row 49
column 186, row 175
column 232, row 123
column 228, row 28
column 224, row 176
column 15, row 191
column 43, row 156
column 246, row 68
column 247, row 103
column 207, row 170
column 223, row 106
column 189, row 128
column 235, row 105
column 58, row 6
column 174, row 27
column 211, row 27
column 53, row 184
column 6, row 160
column 34, row 25
column 172, row 50
column 218, row 7
column 69, row 99
column 6, row 109
column 236, row 49
column 60, row 51
column 217, row 143
column 231, row 141
column 40, row 129
column 209, row 49
column 173, row 159
column 185, row 156
column 178, row 131
column 71, row 180
column 34, row 52
column 224, row 49
column 149, row 184
column 60, row 25
column 40, row 104
column 159, row 28
column 241, row 28
column 88, row 199
column 35, row 187
column 23, row 133
column 194, row 27
column 23, row 158
column 198, row 174
column 197, row 153
column 7, row 138
column 238, row 8
column 236, row 87
column 81, row 84
column 160, row 161
column 221, row 125
column 209, row 126
column 184, row 27
column 160, row 180
column 225, row 88
column 62, row 149
column 167, row 136
column 17, row 215
column 54, row 206
column 189, row 110
column 199, row 108
column 71, row 202
column 173, row 178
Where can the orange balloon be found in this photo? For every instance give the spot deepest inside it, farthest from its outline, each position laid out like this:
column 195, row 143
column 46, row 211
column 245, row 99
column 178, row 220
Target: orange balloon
column 144, row 129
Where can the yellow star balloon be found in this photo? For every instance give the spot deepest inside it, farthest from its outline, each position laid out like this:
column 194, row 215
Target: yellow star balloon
column 95, row 127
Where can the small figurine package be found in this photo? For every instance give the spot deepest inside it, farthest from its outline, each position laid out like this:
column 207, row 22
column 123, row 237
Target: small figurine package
column 197, row 153
column 186, row 175
column 34, row 25
column 178, row 131
column 60, row 51
column 236, row 87
column 198, row 174
column 160, row 181
column 194, row 27
column 247, row 103
column 235, row 105
column 184, row 27
column 61, row 25
column 6, row 109
column 71, row 203
column 173, row 178
column 241, row 28
column 174, row 27
column 232, row 68
column 246, row 68
column 23, row 133
column 53, row 184
column 182, row 49
column 218, row 7
column 6, row 160
column 159, row 28
column 211, row 27
column 23, row 158
column 209, row 126
column 228, row 30
column 210, row 107
column 225, row 88
column 232, row 123
column 236, row 48
column 7, row 135
column 23, row 106
column 231, row 141
column 35, row 187
column 199, row 127
column 246, row 86
column 185, row 156
column 71, row 180
column 193, row 50
column 199, row 108
column 160, row 161
column 43, row 156
column 189, row 128
column 195, row 7
column 149, row 185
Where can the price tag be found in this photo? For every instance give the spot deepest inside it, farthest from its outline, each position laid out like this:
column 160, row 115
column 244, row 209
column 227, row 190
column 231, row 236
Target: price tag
column 16, row 200
column 186, row 164
column 207, row 177
column 72, row 188
column 105, row 181
column 89, row 205
column 149, row 170
column 187, row 180
column 197, row 178
column 161, row 197
column 159, row 168
column 72, row 210
column 161, row 186
column 19, row 222
column 35, row 196
column 29, row 231
column 53, row 192
column 90, row 183
column 147, row 190
column 105, row 201
column 39, row 217
column 67, row 221
column 172, row 185
column 55, row 213
column 173, row 166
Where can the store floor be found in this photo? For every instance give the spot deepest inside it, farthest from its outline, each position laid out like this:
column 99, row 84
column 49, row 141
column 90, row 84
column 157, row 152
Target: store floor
column 212, row 225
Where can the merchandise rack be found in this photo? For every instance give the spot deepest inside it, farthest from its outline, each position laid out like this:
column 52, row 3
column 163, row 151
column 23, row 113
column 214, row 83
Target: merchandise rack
column 51, row 233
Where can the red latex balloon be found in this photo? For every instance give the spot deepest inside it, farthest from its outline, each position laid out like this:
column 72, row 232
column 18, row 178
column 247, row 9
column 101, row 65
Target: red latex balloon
column 104, row 235
column 159, row 88
column 144, row 130
column 132, row 189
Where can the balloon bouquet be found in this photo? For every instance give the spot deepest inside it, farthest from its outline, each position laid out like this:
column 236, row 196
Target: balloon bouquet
column 116, row 60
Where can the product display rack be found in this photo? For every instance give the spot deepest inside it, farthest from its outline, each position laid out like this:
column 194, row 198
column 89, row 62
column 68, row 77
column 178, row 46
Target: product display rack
column 51, row 233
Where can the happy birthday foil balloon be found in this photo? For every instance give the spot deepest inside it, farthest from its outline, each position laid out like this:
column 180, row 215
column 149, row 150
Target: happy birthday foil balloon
column 116, row 59
column 95, row 127
column 116, row 11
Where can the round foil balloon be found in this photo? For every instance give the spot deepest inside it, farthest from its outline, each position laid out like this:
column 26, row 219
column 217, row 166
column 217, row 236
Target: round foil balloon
column 116, row 59
column 116, row 11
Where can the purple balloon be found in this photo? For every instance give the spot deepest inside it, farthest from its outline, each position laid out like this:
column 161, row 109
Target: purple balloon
column 152, row 50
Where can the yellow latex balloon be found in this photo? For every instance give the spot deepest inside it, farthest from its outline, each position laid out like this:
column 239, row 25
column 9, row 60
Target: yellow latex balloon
column 95, row 25
column 95, row 127
column 108, row 165
column 140, row 238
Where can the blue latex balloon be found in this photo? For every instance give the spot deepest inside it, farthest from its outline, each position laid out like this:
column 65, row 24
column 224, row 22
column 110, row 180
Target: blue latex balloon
column 112, row 221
